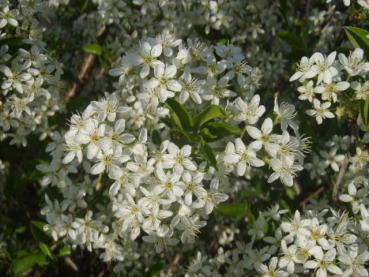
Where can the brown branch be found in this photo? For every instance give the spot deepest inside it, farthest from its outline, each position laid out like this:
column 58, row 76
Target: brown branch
column 70, row 263
column 85, row 69
column 311, row 196
column 173, row 265
column 297, row 188
column 102, row 273
column 336, row 185
column 339, row 179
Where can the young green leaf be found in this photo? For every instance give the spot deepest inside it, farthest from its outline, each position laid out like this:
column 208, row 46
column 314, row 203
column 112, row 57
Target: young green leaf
column 180, row 137
column 45, row 249
column 25, row 263
column 174, row 121
column 65, row 251
column 233, row 210
column 92, row 48
column 218, row 130
column 180, row 115
column 209, row 113
column 38, row 231
column 207, row 135
column 293, row 40
column 14, row 43
column 208, row 153
column 364, row 112
column 359, row 38
column 297, row 42
column 155, row 269
column 156, row 138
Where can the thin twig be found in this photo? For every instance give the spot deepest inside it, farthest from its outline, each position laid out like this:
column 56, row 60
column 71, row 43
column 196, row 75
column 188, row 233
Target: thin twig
column 297, row 187
column 71, row 264
column 311, row 196
column 85, row 69
column 101, row 274
column 339, row 179
column 173, row 265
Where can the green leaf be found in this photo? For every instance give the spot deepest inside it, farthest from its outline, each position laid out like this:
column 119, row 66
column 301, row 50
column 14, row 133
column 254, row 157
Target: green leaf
column 24, row 264
column 233, row 210
column 92, row 48
column 20, row 230
column 249, row 214
column 265, row 226
column 21, row 253
column 218, row 130
column 209, row 113
column 175, row 121
column 293, row 40
column 180, row 115
column 45, row 249
column 209, row 154
column 298, row 44
column 14, row 43
column 224, row 41
column 180, row 137
column 156, row 138
column 155, row 269
column 364, row 112
column 38, row 231
column 207, row 135
column 65, row 251
column 249, row 194
column 291, row 193
column 358, row 38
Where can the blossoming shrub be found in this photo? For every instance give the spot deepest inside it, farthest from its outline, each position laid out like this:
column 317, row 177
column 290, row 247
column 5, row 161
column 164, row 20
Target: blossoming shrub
column 153, row 157
column 199, row 138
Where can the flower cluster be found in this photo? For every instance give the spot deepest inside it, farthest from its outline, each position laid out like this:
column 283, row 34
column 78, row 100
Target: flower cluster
column 166, row 67
column 29, row 78
column 284, row 153
column 182, row 128
column 154, row 184
column 131, row 21
column 321, row 239
column 362, row 3
column 56, row 3
column 325, row 243
column 325, row 81
column 330, row 159
column 157, row 190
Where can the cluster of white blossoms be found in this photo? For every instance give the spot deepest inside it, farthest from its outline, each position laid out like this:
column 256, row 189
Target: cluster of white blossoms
column 319, row 240
column 284, row 153
column 159, row 190
column 57, row 3
column 326, row 82
column 331, row 158
column 184, row 16
column 131, row 21
column 363, row 3
column 340, row 237
column 123, row 175
column 29, row 78
column 184, row 136
column 164, row 67
column 324, row 243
